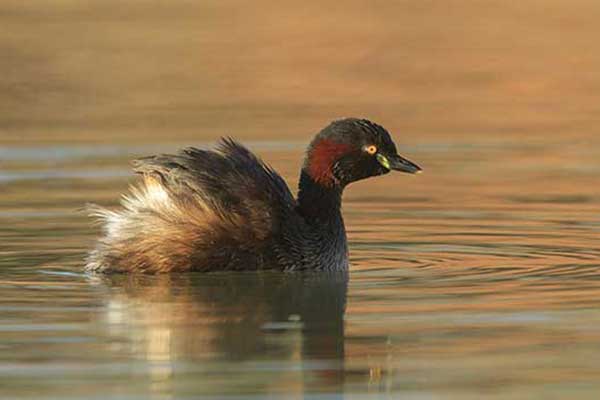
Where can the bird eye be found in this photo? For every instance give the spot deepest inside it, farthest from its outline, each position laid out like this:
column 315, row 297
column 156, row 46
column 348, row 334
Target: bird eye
column 372, row 149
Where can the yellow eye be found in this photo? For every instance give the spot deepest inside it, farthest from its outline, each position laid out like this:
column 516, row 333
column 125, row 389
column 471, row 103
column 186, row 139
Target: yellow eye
column 372, row 149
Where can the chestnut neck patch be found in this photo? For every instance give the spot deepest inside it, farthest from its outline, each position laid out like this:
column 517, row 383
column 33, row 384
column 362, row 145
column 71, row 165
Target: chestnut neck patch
column 321, row 158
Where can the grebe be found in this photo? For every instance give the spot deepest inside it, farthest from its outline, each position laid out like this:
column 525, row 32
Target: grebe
column 203, row 210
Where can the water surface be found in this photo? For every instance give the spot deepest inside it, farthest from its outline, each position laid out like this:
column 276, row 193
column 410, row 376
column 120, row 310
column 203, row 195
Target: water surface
column 477, row 279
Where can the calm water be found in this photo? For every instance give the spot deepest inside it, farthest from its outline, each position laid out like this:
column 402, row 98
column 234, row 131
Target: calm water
column 477, row 279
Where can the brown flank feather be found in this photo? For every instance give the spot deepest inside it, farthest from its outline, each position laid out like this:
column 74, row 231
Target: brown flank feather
column 184, row 216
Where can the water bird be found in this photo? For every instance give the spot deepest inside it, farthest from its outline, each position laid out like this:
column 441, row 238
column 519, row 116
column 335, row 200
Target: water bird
column 225, row 209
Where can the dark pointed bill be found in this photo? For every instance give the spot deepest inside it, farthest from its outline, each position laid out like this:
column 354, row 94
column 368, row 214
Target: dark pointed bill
column 398, row 163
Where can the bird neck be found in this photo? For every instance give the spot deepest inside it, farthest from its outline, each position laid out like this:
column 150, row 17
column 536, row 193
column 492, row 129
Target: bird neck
column 319, row 204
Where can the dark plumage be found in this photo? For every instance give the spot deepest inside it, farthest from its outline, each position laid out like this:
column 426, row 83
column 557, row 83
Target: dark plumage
column 202, row 210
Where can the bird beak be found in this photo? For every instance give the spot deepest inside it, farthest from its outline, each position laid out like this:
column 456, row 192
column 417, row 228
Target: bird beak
column 398, row 163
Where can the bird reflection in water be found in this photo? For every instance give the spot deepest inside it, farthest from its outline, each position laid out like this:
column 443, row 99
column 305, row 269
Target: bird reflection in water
column 240, row 324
